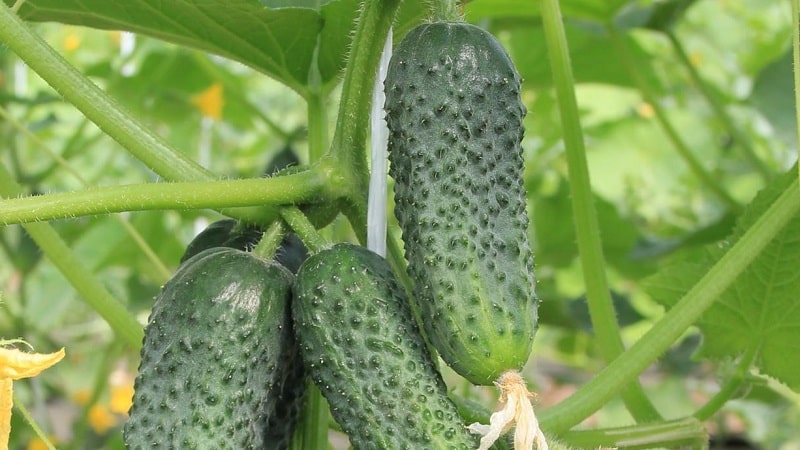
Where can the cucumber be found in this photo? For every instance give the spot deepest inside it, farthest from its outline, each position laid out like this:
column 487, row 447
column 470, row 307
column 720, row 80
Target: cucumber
column 223, row 233
column 455, row 124
column 363, row 349
column 218, row 358
column 231, row 233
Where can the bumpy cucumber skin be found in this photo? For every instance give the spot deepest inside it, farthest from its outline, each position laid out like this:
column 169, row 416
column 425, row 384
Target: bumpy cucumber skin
column 214, row 359
column 455, row 125
column 363, row 349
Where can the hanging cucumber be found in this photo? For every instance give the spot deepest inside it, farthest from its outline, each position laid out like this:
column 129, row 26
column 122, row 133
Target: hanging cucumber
column 363, row 349
column 455, row 120
column 218, row 358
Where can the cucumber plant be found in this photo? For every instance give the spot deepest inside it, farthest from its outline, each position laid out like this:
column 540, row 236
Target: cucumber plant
column 460, row 285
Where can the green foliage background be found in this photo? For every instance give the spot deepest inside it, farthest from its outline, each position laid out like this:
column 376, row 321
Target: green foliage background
column 661, row 223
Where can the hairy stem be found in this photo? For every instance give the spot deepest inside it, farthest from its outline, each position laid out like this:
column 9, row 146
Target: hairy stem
column 270, row 241
column 349, row 137
column 300, row 224
column 730, row 388
column 601, row 307
column 796, row 59
column 447, row 11
column 153, row 196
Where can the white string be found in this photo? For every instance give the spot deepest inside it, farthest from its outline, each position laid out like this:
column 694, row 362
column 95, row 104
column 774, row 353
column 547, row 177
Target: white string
column 376, row 205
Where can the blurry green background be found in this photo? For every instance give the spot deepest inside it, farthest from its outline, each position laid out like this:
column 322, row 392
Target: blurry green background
column 234, row 120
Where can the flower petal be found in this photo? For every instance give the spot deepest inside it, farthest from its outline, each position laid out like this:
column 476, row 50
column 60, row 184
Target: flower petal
column 16, row 364
column 516, row 409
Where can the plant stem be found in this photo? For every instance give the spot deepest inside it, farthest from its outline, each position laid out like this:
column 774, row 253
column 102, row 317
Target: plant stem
column 149, row 196
column 300, row 224
column 270, row 241
column 92, row 291
column 736, row 132
column 796, row 59
column 349, row 138
column 677, row 320
column 683, row 150
column 601, row 306
column 101, row 109
column 728, row 390
column 681, row 433
column 36, row 429
column 447, row 11
column 317, row 126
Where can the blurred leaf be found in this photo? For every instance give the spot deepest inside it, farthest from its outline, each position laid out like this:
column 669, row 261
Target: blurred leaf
column 772, row 95
column 596, row 10
column 21, row 250
column 665, row 14
column 626, row 314
column 556, row 242
column 279, row 42
column 594, row 57
column 761, row 308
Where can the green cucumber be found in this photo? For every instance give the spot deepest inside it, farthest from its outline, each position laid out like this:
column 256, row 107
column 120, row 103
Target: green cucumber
column 455, row 124
column 233, row 234
column 363, row 349
column 218, row 358
column 223, row 233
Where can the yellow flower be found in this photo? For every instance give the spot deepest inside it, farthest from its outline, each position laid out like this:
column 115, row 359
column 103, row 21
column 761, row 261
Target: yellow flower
column 14, row 365
column 101, row 419
column 72, row 42
column 38, row 444
column 210, row 101
column 121, row 398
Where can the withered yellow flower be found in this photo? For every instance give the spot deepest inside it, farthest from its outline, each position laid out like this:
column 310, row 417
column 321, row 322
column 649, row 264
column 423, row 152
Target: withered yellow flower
column 515, row 409
column 14, row 365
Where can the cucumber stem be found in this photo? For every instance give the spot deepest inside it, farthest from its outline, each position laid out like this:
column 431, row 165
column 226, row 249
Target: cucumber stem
column 32, row 422
column 153, row 196
column 796, row 59
column 300, row 224
column 447, row 11
column 349, row 138
column 317, row 126
column 270, row 241
column 729, row 389
column 601, row 307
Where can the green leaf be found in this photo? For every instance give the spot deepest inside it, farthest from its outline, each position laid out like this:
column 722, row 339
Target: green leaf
column 556, row 243
column 594, row 57
column 280, row 42
column 761, row 308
